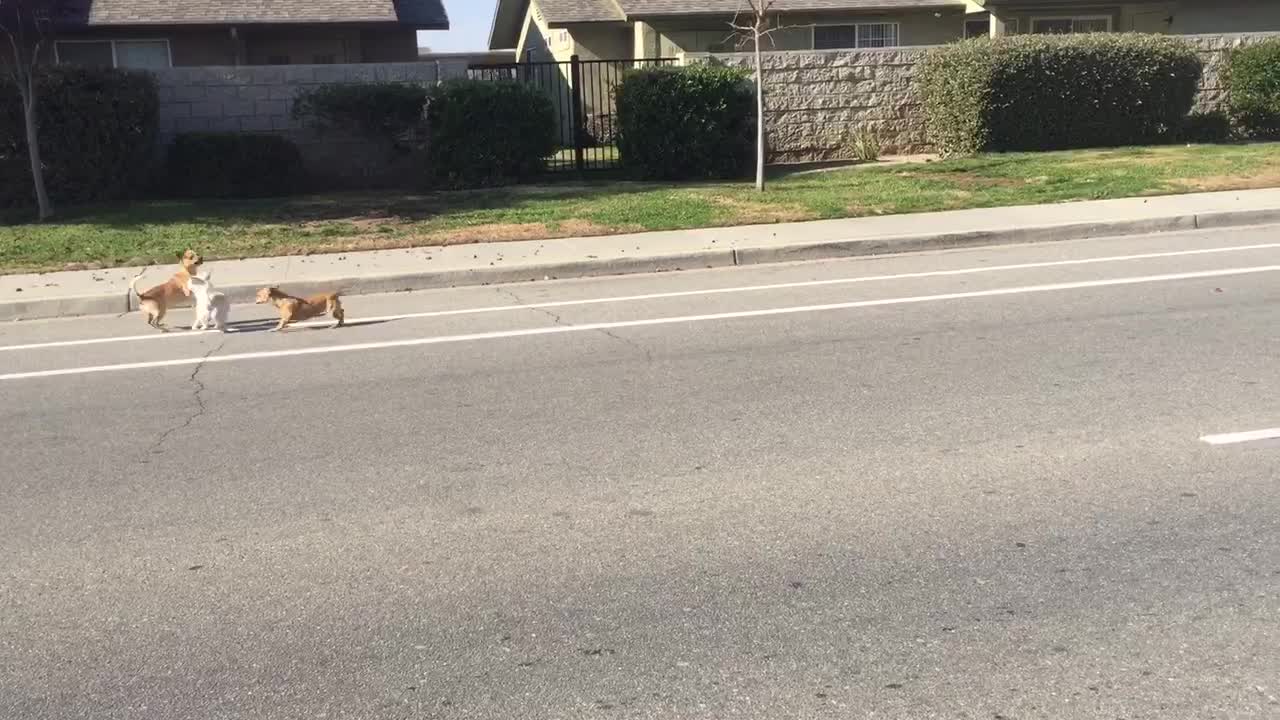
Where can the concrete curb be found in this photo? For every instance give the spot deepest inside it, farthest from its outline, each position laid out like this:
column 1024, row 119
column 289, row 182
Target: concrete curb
column 113, row 303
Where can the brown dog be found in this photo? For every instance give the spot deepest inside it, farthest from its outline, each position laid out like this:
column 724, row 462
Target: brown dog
column 294, row 309
column 155, row 302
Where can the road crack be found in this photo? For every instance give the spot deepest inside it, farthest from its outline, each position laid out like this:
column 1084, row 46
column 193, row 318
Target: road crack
column 197, row 394
column 648, row 356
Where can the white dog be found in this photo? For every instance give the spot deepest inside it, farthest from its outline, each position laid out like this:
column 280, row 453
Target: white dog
column 211, row 305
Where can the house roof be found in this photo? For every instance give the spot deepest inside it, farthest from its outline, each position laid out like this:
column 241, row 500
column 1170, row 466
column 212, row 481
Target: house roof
column 420, row 14
column 576, row 11
column 510, row 14
column 670, row 8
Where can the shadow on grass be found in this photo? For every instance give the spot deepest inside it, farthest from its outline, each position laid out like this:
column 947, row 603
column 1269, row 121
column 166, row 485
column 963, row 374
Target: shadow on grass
column 362, row 206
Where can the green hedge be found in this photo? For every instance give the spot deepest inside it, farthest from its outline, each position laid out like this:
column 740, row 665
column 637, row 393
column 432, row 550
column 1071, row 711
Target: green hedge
column 685, row 123
column 97, row 136
column 1050, row 92
column 484, row 132
column 1207, row 127
column 232, row 165
column 385, row 110
column 1252, row 78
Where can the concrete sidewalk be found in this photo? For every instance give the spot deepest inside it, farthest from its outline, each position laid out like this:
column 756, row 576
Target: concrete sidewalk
column 107, row 291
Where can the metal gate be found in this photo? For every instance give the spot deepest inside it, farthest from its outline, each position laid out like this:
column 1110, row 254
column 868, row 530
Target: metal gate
column 582, row 93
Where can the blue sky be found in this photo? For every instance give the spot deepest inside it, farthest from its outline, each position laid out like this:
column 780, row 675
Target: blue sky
column 469, row 21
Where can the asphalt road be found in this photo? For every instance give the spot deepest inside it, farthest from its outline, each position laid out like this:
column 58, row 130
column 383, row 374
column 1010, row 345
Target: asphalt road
column 952, row 485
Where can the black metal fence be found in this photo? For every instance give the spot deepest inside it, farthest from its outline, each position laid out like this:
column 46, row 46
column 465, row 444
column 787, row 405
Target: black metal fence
column 582, row 93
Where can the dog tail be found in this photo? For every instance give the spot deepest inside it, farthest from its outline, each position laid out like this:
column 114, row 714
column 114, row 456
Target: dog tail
column 133, row 284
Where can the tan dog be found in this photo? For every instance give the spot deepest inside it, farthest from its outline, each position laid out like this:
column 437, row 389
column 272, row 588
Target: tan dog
column 294, row 309
column 156, row 301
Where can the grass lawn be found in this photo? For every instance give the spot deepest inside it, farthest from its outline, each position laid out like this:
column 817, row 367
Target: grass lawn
column 344, row 222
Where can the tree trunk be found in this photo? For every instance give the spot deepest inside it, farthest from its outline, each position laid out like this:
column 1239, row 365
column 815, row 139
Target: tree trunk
column 28, row 92
column 760, row 146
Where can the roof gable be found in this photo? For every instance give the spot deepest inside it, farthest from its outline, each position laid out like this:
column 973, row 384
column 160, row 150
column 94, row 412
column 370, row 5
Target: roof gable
column 421, row 14
column 658, row 8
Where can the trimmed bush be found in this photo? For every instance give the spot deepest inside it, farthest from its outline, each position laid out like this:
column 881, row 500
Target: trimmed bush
column 1252, row 78
column 232, row 165
column 97, row 135
column 686, row 123
column 488, row 132
column 1052, row 92
column 1207, row 127
column 385, row 110
column 599, row 130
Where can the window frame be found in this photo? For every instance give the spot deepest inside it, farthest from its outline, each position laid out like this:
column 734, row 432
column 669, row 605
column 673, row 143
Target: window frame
column 1072, row 18
column 897, row 34
column 115, row 55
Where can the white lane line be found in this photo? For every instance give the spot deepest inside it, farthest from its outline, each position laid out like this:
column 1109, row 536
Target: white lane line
column 677, row 294
column 558, row 329
column 1242, row 437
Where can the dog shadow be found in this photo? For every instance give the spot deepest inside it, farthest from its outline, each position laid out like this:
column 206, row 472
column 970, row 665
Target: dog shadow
column 267, row 325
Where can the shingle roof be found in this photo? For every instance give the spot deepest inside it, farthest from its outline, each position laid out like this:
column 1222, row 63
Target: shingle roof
column 651, row 8
column 570, row 11
column 422, row 14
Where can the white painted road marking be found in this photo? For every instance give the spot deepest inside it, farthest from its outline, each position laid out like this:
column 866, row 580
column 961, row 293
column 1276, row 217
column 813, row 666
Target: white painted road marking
column 1242, row 437
column 558, row 329
column 675, row 294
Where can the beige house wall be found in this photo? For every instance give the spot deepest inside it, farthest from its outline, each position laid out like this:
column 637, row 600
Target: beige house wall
column 1124, row 17
column 302, row 46
column 195, row 47
column 539, row 42
column 391, row 45
column 1226, row 16
column 187, row 47
column 601, row 41
column 715, row 35
column 1178, row 17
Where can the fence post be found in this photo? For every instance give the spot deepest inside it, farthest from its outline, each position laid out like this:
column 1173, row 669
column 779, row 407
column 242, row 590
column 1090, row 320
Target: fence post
column 575, row 90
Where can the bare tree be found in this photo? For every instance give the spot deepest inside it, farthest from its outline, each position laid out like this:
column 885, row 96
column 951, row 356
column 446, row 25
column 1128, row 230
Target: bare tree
column 27, row 26
column 761, row 26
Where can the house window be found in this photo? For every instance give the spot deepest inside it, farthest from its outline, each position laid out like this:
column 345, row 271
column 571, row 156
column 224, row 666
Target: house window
column 1068, row 25
column 977, row 28
column 324, row 59
column 277, row 59
column 130, row 54
column 861, row 35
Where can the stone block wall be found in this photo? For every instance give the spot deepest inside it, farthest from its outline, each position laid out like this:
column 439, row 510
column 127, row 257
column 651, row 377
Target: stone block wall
column 816, row 100
column 1214, row 51
column 259, row 99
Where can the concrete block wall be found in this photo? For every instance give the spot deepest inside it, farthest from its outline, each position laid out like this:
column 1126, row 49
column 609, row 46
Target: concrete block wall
column 1214, row 51
column 816, row 100
column 259, row 99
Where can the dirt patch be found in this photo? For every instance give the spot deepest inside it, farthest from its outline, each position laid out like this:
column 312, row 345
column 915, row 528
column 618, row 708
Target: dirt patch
column 491, row 232
column 964, row 181
column 1267, row 179
column 586, row 228
column 360, row 224
column 857, row 211
column 750, row 213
